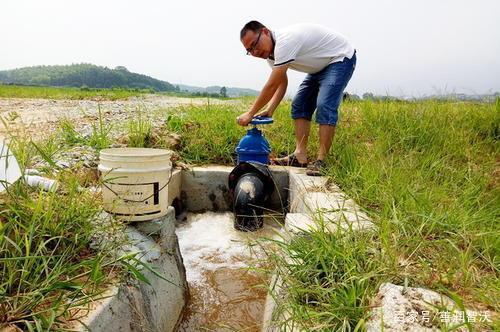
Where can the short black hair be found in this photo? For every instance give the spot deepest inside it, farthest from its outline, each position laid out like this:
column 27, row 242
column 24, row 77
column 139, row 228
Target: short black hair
column 254, row 26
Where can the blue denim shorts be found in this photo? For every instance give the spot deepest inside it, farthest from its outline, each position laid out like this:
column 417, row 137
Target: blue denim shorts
column 323, row 92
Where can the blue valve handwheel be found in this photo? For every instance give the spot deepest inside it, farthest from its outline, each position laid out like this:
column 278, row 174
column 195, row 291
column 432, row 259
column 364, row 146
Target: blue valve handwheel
column 260, row 120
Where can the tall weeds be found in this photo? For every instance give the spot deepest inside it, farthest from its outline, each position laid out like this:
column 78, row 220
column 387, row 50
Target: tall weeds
column 428, row 174
column 140, row 131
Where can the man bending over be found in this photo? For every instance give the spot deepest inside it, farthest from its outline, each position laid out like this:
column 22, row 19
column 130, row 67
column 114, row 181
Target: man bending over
column 329, row 61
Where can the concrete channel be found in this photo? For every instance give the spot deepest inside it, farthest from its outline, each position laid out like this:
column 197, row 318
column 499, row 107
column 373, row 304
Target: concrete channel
column 207, row 262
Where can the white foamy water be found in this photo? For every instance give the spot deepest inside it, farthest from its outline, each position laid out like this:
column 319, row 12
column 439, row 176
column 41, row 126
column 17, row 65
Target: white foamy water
column 209, row 241
column 224, row 295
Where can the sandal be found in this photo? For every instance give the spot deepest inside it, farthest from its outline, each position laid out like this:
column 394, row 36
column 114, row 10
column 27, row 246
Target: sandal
column 317, row 168
column 290, row 160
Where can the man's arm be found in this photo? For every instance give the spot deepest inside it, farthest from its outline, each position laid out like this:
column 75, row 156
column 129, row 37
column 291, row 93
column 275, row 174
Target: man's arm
column 276, row 80
column 275, row 101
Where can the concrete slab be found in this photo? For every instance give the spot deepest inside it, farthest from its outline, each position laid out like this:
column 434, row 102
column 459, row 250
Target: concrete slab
column 298, row 177
column 206, row 188
column 297, row 223
column 313, row 198
column 137, row 306
column 397, row 309
column 174, row 186
column 114, row 312
column 312, row 202
column 148, row 249
column 301, row 183
column 155, row 226
column 163, row 301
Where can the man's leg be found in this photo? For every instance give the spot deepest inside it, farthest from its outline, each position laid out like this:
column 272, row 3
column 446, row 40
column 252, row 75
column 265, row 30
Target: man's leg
column 303, row 106
column 302, row 129
column 332, row 84
column 326, row 133
column 333, row 81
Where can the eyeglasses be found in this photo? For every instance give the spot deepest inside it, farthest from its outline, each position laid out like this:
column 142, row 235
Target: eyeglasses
column 254, row 44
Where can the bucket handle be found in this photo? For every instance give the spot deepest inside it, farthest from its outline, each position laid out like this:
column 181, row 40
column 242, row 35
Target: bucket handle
column 140, row 201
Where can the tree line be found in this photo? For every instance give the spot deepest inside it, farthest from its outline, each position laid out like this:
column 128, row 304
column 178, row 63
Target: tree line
column 82, row 76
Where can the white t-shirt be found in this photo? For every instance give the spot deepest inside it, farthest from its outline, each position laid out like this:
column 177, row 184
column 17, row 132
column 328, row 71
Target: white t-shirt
column 309, row 47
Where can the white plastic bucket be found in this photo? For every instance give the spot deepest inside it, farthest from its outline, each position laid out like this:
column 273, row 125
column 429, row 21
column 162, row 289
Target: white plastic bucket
column 135, row 182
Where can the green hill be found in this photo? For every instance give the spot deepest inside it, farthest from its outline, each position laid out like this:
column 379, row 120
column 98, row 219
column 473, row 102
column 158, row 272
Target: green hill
column 83, row 75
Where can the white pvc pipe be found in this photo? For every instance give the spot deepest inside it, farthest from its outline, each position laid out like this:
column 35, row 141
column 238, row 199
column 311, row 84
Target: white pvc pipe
column 41, row 182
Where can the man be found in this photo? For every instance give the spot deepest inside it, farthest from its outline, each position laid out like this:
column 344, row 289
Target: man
column 327, row 58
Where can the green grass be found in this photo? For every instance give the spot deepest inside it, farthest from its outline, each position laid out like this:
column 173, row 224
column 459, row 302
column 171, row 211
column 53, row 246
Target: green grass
column 428, row 174
column 49, row 92
column 41, row 235
column 100, row 137
column 209, row 133
column 68, row 133
column 140, row 131
column 328, row 279
column 49, row 270
column 19, row 91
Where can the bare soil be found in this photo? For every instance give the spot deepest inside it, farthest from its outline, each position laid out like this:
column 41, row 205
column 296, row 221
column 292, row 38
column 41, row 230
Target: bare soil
column 41, row 116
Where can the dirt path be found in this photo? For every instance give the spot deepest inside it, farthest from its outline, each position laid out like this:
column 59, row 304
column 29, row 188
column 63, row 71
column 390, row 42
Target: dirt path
column 42, row 115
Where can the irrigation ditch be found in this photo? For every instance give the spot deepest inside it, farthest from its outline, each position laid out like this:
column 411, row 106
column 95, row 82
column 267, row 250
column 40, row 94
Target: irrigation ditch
column 215, row 282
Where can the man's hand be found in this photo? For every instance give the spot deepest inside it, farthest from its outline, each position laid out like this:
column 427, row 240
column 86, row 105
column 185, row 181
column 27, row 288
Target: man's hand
column 244, row 119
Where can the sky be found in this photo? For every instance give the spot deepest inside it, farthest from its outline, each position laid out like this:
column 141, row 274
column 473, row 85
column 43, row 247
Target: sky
column 404, row 48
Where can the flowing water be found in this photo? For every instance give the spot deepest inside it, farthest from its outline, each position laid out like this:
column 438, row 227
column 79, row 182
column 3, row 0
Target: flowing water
column 225, row 294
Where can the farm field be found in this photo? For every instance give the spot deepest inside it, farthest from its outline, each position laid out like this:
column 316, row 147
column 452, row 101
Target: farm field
column 427, row 173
